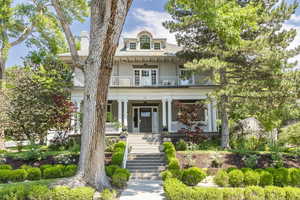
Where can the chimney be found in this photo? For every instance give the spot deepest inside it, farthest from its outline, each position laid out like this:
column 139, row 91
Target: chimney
column 84, row 41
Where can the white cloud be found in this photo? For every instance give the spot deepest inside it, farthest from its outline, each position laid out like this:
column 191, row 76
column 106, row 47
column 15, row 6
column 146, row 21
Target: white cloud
column 152, row 22
column 295, row 18
column 296, row 41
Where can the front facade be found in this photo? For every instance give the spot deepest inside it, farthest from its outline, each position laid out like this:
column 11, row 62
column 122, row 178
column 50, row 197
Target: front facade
column 147, row 79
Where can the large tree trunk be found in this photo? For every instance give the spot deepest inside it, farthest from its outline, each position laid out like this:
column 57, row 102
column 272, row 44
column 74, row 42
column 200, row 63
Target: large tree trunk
column 224, row 114
column 107, row 20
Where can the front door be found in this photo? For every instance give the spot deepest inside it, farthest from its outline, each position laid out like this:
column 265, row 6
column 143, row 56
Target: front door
column 146, row 120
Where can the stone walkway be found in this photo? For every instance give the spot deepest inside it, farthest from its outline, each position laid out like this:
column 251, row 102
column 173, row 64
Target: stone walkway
column 143, row 190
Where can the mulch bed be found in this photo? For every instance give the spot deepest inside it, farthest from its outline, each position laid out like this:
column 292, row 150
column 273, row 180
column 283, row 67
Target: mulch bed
column 17, row 163
column 204, row 160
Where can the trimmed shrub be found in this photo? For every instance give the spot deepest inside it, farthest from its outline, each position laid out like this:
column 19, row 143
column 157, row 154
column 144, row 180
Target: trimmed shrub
column 110, row 170
column 274, row 193
column 13, row 192
column 168, row 145
column 281, row 177
column 251, row 178
column 108, row 194
column 4, row 166
column 120, row 145
column 170, row 154
column 61, row 193
column 228, row 170
column 236, row 178
column 292, row 193
column 119, row 180
column 39, row 192
column 208, row 193
column 70, row 170
column 166, row 174
column 181, row 145
column 294, row 176
column 254, row 193
column 245, row 169
column 43, row 167
column 18, row 175
column 174, row 164
column 117, row 158
column 34, row 174
column 233, row 194
column 221, row 178
column 53, row 172
column 4, row 175
column 25, row 167
column 82, row 193
column 123, row 171
column 193, row 176
column 266, row 178
column 176, row 190
column 177, row 173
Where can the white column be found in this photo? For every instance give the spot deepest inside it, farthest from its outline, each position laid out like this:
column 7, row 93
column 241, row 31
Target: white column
column 209, row 118
column 120, row 114
column 164, row 113
column 214, row 116
column 169, row 115
column 126, row 113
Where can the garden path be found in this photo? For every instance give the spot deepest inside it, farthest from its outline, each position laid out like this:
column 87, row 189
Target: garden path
column 143, row 190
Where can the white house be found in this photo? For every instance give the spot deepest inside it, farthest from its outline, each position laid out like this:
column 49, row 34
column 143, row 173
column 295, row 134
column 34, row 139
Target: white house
column 147, row 79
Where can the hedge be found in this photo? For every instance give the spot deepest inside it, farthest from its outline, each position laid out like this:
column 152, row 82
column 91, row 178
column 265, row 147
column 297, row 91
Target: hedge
column 176, row 190
column 41, row 192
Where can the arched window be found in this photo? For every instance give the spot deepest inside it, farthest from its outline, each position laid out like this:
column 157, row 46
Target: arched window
column 145, row 42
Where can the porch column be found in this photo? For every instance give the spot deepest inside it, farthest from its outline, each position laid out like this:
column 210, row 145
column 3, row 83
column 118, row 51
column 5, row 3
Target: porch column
column 126, row 114
column 120, row 114
column 209, row 118
column 214, row 116
column 169, row 115
column 164, row 113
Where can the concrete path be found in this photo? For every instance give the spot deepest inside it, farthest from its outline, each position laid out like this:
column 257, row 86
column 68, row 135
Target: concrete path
column 143, row 190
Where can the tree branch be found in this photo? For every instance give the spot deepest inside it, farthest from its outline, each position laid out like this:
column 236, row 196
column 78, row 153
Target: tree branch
column 23, row 36
column 68, row 33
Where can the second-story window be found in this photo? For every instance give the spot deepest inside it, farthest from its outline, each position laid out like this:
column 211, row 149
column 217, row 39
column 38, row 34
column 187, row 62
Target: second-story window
column 145, row 42
column 132, row 45
column 157, row 46
column 186, row 77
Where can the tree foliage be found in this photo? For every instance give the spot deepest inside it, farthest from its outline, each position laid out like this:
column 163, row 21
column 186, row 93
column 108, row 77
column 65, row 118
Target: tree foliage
column 37, row 100
column 247, row 51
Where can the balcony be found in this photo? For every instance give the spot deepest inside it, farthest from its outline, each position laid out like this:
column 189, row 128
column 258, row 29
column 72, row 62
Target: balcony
column 162, row 81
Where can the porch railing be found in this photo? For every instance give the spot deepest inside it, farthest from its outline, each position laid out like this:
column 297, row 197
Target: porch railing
column 129, row 81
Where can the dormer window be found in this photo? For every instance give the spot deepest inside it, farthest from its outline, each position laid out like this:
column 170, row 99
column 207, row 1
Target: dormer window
column 157, row 46
column 132, row 45
column 145, row 42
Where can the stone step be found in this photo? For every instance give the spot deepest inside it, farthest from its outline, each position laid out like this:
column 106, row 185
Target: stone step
column 145, row 165
column 145, row 176
column 140, row 168
column 146, row 161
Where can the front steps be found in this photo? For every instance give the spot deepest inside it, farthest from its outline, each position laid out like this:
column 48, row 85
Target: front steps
column 145, row 161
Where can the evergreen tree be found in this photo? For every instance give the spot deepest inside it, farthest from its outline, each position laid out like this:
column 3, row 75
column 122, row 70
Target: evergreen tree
column 243, row 45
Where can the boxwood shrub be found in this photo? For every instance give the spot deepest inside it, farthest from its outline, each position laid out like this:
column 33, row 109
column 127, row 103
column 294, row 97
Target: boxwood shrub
column 5, row 166
column 110, row 170
column 266, row 178
column 18, row 175
column 193, row 176
column 117, row 158
column 34, row 173
column 221, row 178
column 174, row 164
column 236, row 178
column 70, row 170
column 4, row 175
column 294, row 176
column 254, row 193
column 119, row 179
column 251, row 178
column 274, row 193
column 53, row 172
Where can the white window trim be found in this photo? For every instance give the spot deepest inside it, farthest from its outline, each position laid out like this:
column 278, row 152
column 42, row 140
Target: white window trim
column 140, row 75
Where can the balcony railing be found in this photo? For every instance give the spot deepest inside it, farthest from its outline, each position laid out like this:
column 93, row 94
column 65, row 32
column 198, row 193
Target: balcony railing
column 128, row 81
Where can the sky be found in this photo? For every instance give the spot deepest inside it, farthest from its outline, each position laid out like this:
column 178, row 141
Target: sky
column 143, row 15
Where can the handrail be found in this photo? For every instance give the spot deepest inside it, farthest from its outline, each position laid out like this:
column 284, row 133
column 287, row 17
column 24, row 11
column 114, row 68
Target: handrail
column 125, row 154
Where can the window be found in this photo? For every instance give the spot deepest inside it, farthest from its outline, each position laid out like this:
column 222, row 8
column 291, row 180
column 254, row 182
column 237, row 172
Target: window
column 132, row 45
column 157, row 46
column 145, row 42
column 154, row 76
column 109, row 117
column 145, row 77
column 137, row 77
column 186, row 77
